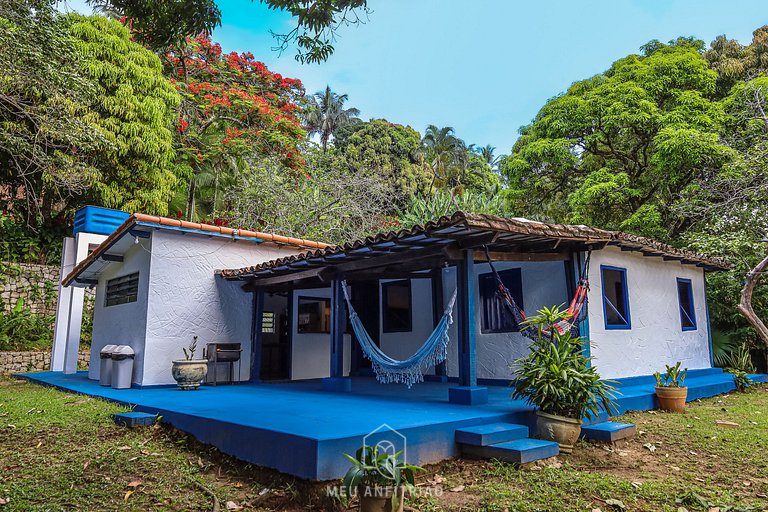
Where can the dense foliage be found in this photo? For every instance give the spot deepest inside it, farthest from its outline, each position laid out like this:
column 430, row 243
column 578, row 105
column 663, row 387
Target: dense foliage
column 233, row 108
column 556, row 376
column 671, row 144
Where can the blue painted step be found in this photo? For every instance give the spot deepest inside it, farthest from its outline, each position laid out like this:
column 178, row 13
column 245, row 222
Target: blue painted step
column 491, row 433
column 134, row 419
column 519, row 451
column 608, row 431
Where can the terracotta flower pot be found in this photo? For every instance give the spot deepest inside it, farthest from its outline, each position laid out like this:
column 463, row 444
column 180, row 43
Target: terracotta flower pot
column 671, row 399
column 564, row 431
column 189, row 374
column 375, row 501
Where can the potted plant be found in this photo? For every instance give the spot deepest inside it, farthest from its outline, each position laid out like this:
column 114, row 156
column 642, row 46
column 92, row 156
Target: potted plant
column 559, row 380
column 670, row 390
column 189, row 372
column 379, row 480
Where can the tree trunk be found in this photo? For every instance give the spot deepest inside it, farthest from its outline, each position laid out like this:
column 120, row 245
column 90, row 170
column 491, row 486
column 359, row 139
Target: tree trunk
column 745, row 303
column 191, row 200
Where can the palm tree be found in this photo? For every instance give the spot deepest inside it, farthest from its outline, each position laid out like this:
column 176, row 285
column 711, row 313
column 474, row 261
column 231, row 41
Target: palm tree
column 487, row 154
column 446, row 156
column 326, row 114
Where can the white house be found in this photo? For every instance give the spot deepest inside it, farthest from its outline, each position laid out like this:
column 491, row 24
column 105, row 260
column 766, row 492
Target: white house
column 159, row 282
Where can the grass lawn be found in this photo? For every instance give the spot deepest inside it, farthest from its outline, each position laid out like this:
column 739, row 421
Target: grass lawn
column 61, row 451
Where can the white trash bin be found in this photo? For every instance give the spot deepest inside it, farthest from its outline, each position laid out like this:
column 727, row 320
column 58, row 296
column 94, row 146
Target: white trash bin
column 105, row 365
column 122, row 367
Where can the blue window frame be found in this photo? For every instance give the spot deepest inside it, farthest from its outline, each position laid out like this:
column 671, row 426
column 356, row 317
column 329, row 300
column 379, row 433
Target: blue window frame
column 615, row 298
column 685, row 300
column 495, row 317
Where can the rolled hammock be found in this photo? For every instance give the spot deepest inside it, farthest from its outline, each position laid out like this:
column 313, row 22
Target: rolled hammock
column 409, row 371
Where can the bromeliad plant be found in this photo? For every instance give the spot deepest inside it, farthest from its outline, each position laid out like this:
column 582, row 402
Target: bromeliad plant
column 374, row 474
column 556, row 376
column 674, row 377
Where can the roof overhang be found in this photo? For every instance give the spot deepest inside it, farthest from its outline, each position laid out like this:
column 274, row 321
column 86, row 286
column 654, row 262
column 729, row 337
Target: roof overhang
column 444, row 241
column 138, row 226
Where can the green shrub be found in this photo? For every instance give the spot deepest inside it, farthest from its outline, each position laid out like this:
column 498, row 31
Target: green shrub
column 556, row 376
column 21, row 329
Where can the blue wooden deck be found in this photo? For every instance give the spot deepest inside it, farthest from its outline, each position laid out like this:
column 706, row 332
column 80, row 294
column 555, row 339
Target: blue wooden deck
column 298, row 428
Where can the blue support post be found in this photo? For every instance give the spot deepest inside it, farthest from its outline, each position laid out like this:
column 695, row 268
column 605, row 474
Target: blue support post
column 337, row 381
column 256, row 335
column 468, row 392
column 709, row 325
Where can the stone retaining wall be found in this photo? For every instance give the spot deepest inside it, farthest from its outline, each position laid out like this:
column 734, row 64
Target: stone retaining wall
column 20, row 362
column 37, row 285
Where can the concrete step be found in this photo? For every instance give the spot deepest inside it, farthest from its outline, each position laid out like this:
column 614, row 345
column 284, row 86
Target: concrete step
column 490, row 433
column 134, row 419
column 608, row 431
column 519, row 451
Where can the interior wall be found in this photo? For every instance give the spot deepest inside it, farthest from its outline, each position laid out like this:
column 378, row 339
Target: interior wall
column 186, row 298
column 402, row 345
column 544, row 284
column 656, row 337
column 123, row 324
column 311, row 354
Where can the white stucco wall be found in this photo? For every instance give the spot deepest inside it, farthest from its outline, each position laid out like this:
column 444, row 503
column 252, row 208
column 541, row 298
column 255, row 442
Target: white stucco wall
column 122, row 324
column 311, row 352
column 656, row 337
column 186, row 298
column 544, row 284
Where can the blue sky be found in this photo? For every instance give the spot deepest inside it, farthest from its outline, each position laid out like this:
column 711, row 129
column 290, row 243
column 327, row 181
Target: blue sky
column 484, row 67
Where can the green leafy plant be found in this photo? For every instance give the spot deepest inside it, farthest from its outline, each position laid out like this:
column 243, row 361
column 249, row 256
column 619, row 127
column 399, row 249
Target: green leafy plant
column 21, row 329
column 373, row 473
column 556, row 376
column 739, row 364
column 189, row 352
column 674, row 377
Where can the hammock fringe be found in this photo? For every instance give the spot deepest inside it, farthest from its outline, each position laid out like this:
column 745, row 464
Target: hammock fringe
column 409, row 371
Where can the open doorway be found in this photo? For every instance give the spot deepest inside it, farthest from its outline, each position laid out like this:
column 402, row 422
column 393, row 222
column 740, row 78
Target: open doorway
column 275, row 338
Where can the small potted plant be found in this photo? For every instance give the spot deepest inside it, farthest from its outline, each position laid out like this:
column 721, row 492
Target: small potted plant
column 558, row 379
column 670, row 390
column 379, row 480
column 189, row 372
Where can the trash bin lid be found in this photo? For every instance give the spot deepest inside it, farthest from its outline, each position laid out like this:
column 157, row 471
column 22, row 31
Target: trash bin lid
column 106, row 352
column 123, row 352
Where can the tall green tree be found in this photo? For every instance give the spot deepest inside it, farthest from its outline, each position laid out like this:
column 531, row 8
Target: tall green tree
column 87, row 115
column 135, row 107
column 326, row 114
column 48, row 135
column 385, row 150
column 620, row 149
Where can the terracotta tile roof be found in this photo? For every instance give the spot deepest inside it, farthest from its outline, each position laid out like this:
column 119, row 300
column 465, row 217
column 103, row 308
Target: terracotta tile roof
column 160, row 222
column 519, row 228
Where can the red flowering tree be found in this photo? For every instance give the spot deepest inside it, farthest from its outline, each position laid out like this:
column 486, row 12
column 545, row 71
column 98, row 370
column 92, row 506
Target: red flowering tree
column 234, row 110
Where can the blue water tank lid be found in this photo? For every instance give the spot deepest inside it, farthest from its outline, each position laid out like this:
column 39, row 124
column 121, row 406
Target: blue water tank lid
column 98, row 220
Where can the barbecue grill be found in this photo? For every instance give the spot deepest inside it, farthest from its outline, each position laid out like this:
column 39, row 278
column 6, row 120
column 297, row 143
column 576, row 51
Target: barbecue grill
column 223, row 353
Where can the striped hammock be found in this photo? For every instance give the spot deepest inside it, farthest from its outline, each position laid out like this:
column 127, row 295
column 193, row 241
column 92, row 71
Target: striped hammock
column 574, row 313
column 408, row 371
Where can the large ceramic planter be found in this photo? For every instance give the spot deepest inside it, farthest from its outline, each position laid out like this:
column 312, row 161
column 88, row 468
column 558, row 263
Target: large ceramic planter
column 381, row 502
column 672, row 399
column 564, row 431
column 189, row 374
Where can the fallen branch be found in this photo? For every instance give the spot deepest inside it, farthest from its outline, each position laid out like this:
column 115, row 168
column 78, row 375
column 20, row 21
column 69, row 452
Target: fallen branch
column 745, row 303
column 216, row 505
